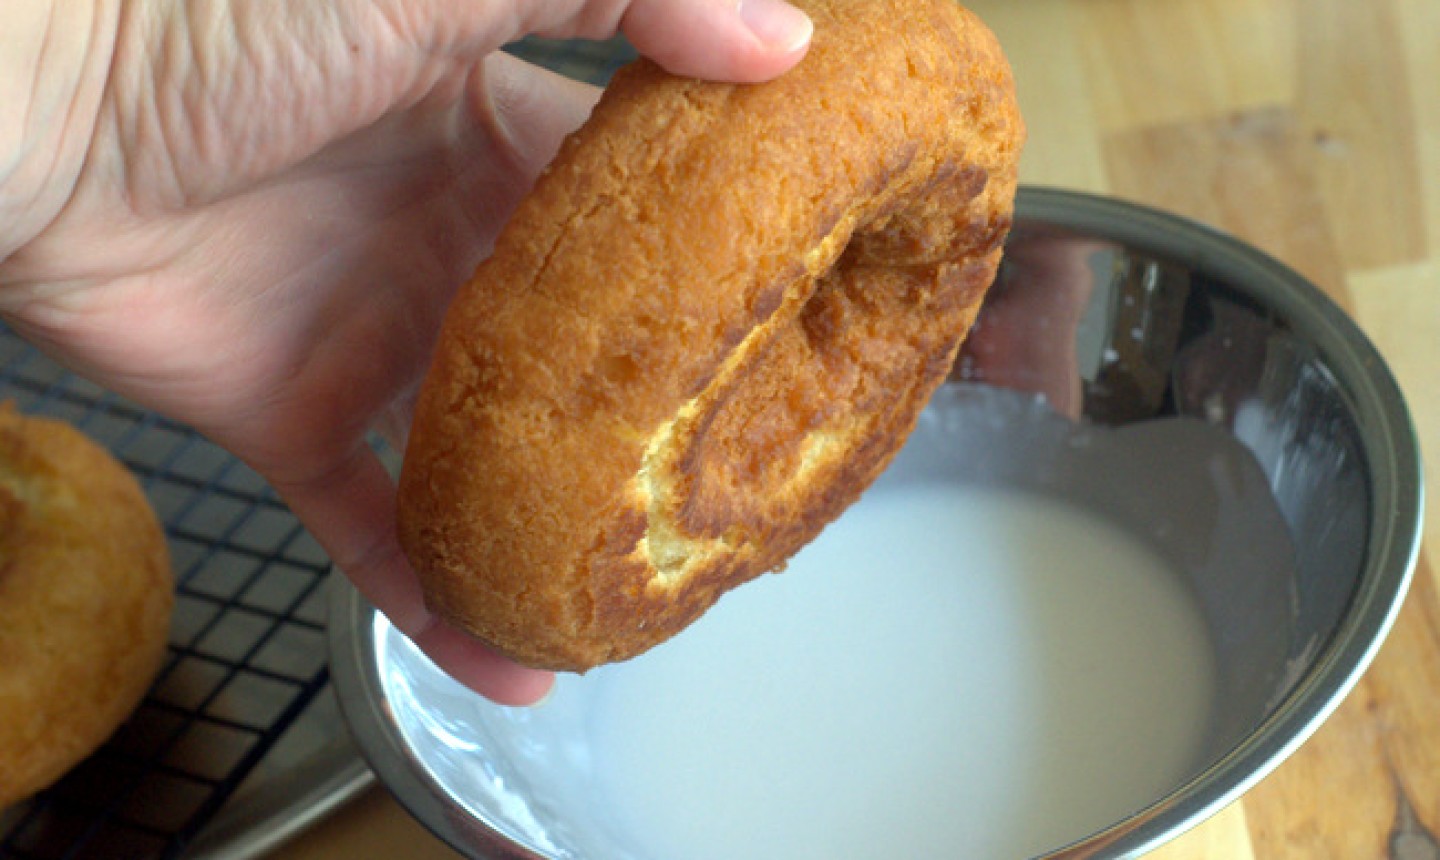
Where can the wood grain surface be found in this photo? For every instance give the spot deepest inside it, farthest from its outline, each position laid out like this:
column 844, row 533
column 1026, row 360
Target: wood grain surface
column 1310, row 128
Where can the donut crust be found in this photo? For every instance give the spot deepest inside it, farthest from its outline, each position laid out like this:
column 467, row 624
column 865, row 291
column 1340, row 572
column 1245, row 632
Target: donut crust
column 707, row 330
column 85, row 599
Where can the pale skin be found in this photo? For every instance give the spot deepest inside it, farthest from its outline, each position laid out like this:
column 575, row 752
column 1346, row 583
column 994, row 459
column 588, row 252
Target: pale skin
column 251, row 215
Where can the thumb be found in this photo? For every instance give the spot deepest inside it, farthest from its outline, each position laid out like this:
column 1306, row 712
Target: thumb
column 748, row 40
column 726, row 40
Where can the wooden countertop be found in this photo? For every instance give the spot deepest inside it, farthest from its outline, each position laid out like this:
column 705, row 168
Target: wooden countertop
column 1312, row 130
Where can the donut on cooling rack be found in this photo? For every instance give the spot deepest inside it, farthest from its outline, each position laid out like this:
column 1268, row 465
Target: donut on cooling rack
column 85, row 599
column 707, row 330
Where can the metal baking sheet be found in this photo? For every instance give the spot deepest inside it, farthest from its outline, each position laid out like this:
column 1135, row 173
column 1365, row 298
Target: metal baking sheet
column 312, row 771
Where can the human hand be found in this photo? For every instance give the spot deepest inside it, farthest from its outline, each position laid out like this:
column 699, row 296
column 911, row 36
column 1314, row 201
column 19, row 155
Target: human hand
column 250, row 216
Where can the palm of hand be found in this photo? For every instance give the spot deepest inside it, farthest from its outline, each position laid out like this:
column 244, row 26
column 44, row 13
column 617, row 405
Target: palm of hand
column 277, row 295
column 276, row 278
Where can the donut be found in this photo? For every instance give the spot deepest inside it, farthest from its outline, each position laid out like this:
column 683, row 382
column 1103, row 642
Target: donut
column 85, row 599
column 706, row 331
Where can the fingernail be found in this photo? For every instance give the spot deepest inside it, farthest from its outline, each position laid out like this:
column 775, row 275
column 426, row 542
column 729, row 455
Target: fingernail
column 776, row 23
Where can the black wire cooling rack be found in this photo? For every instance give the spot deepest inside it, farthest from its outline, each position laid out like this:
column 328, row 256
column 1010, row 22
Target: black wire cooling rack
column 247, row 648
column 247, row 643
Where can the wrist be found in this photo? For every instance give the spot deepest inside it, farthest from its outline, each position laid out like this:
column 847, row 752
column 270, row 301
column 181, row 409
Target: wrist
column 54, row 60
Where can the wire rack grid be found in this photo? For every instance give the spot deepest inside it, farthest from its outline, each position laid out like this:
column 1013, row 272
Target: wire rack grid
column 247, row 644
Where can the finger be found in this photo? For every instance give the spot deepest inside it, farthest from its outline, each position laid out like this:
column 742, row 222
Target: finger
column 351, row 513
column 752, row 40
column 524, row 113
column 493, row 676
column 727, row 40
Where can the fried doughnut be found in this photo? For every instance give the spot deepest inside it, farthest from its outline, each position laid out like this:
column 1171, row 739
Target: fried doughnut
column 85, row 599
column 706, row 330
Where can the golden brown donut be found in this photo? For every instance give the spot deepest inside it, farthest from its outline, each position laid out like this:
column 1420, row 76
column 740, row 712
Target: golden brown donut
column 85, row 599
column 707, row 330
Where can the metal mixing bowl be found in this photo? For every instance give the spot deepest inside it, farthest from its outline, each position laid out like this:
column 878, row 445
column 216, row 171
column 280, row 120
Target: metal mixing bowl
column 1118, row 314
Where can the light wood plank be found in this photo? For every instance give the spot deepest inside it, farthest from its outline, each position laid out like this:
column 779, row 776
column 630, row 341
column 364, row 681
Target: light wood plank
column 371, row 826
column 1040, row 40
column 1407, row 699
column 1248, row 174
column 1333, row 798
column 1355, row 102
column 1419, row 25
column 1399, row 307
column 1184, row 60
column 1227, row 836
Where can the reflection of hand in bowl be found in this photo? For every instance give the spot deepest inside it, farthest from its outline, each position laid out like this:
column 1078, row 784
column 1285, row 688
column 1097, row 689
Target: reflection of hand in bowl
column 1025, row 336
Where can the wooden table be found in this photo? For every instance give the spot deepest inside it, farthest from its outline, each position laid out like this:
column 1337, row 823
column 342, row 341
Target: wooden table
column 1310, row 128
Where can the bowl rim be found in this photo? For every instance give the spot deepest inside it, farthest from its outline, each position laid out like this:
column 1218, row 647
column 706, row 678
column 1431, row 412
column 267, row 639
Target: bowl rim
column 1390, row 444
column 360, row 692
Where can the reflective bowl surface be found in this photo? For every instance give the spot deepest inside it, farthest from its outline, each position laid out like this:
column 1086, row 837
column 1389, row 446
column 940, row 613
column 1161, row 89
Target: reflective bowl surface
column 1116, row 315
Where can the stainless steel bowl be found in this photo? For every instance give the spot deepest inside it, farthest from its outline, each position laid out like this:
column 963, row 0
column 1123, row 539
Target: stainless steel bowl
column 1118, row 314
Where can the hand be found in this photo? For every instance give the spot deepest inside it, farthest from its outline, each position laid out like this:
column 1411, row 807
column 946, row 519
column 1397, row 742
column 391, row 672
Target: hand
column 250, row 216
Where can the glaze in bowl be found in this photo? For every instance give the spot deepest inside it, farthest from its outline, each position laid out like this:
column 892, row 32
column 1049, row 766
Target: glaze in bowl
column 1119, row 319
